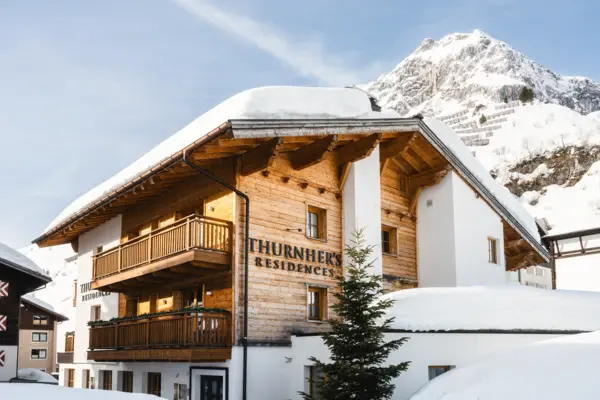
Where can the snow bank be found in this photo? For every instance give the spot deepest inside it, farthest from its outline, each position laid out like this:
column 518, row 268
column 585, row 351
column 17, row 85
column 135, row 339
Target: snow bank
column 557, row 369
column 29, row 391
column 12, row 256
column 512, row 204
column 595, row 115
column 32, row 374
column 285, row 102
column 511, row 307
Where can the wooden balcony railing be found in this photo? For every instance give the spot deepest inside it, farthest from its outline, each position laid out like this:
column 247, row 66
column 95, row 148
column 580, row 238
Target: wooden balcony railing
column 64, row 357
column 176, row 330
column 192, row 232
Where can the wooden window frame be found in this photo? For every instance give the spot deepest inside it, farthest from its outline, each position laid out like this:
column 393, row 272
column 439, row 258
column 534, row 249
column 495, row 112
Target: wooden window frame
column 393, row 233
column 107, row 384
column 70, row 377
column 154, row 377
column 39, row 337
column 38, row 320
column 93, row 309
column 323, row 306
column 492, row 255
column 321, row 214
column 126, row 381
column 85, row 377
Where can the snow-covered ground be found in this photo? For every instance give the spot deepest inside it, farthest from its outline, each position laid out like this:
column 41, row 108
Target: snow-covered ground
column 556, row 369
column 511, row 307
column 32, row 391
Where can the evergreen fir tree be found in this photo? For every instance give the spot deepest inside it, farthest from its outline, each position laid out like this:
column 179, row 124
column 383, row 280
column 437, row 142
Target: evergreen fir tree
column 356, row 341
column 483, row 119
column 526, row 95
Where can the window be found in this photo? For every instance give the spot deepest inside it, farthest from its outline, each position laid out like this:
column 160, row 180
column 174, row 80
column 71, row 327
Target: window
column 39, row 337
column 70, row 377
column 388, row 240
column 106, row 379
column 316, row 223
column 539, row 271
column 437, row 370
column 39, row 354
column 85, row 379
column 180, row 391
column 126, row 381
column 153, row 383
column 96, row 314
column 312, row 376
column 40, row 320
column 317, row 303
column 492, row 251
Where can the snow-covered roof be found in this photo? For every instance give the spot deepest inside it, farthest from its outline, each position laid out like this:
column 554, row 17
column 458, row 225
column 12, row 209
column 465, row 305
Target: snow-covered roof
column 299, row 104
column 15, row 259
column 498, row 308
column 29, row 298
column 555, row 369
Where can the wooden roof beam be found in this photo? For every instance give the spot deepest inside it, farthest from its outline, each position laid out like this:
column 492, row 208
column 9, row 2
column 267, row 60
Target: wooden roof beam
column 522, row 260
column 394, row 147
column 312, row 153
column 260, row 157
column 357, row 150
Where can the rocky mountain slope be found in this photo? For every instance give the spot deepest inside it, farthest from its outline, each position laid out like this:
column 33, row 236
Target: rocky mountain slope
column 465, row 70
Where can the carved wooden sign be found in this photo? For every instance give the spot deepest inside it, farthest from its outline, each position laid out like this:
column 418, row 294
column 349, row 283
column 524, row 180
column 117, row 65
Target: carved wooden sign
column 305, row 260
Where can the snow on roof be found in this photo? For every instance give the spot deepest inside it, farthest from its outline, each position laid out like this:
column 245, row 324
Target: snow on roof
column 277, row 102
column 30, row 391
column 506, row 308
column 29, row 298
column 17, row 260
column 556, row 369
column 512, row 204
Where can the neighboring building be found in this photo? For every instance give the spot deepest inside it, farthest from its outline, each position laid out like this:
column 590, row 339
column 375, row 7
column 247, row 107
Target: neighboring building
column 37, row 336
column 162, row 280
column 452, row 328
column 537, row 276
column 18, row 276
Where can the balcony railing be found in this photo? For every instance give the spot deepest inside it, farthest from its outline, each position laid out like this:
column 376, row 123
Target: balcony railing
column 176, row 330
column 64, row 357
column 192, row 232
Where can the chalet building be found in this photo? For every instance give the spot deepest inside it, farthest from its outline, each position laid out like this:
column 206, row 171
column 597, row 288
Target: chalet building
column 37, row 336
column 198, row 262
column 18, row 276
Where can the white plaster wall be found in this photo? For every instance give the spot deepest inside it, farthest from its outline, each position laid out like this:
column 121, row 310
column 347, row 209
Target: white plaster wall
column 362, row 204
column 475, row 221
column 436, row 257
column 107, row 235
column 268, row 373
column 422, row 350
column 9, row 370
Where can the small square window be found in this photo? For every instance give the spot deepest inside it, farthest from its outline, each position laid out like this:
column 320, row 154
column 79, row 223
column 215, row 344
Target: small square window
column 39, row 354
column 40, row 320
column 437, row 370
column 39, row 337
column 388, row 240
column 492, row 251
column 317, row 303
column 316, row 223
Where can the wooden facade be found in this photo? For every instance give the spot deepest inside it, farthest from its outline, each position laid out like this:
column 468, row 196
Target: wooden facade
column 165, row 258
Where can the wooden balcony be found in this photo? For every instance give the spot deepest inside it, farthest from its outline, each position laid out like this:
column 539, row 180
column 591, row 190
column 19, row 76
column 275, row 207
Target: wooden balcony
column 64, row 357
column 179, row 336
column 201, row 244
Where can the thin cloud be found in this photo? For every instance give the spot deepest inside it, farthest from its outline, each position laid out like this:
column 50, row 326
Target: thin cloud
column 307, row 58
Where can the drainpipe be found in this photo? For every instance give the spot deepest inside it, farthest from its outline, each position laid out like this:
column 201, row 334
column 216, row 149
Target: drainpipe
column 246, row 249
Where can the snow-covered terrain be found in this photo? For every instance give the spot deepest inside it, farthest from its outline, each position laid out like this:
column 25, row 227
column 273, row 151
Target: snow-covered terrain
column 32, row 391
column 32, row 374
column 556, row 369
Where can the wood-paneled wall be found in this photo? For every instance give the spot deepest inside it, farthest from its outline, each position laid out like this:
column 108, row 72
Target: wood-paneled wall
column 277, row 298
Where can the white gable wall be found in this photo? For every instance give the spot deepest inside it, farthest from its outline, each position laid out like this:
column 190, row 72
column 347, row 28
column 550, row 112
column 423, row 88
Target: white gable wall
column 106, row 235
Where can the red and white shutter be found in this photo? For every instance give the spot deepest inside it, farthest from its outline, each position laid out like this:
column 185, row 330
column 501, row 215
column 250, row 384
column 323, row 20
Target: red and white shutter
column 2, row 323
column 3, row 289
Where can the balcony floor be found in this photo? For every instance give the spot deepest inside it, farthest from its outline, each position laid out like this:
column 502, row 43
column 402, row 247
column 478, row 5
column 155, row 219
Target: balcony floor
column 217, row 354
column 190, row 264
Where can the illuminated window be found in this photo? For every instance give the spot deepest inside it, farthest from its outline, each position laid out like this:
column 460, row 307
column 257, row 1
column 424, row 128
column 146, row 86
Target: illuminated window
column 492, row 251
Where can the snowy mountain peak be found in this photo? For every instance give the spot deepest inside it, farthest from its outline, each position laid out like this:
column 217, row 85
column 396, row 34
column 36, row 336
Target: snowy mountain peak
column 463, row 70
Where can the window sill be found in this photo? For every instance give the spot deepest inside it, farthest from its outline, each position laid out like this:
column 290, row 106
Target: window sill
column 317, row 239
column 316, row 321
column 390, row 254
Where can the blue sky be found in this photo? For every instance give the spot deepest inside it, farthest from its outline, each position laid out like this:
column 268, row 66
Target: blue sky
column 88, row 87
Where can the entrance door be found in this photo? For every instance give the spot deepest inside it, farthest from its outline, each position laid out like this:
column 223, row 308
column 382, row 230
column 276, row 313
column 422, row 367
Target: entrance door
column 211, row 387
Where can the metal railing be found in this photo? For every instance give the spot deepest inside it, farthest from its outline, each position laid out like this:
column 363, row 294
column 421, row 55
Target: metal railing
column 191, row 232
column 177, row 330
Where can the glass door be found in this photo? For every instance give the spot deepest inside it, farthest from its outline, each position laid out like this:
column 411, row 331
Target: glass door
column 211, row 387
